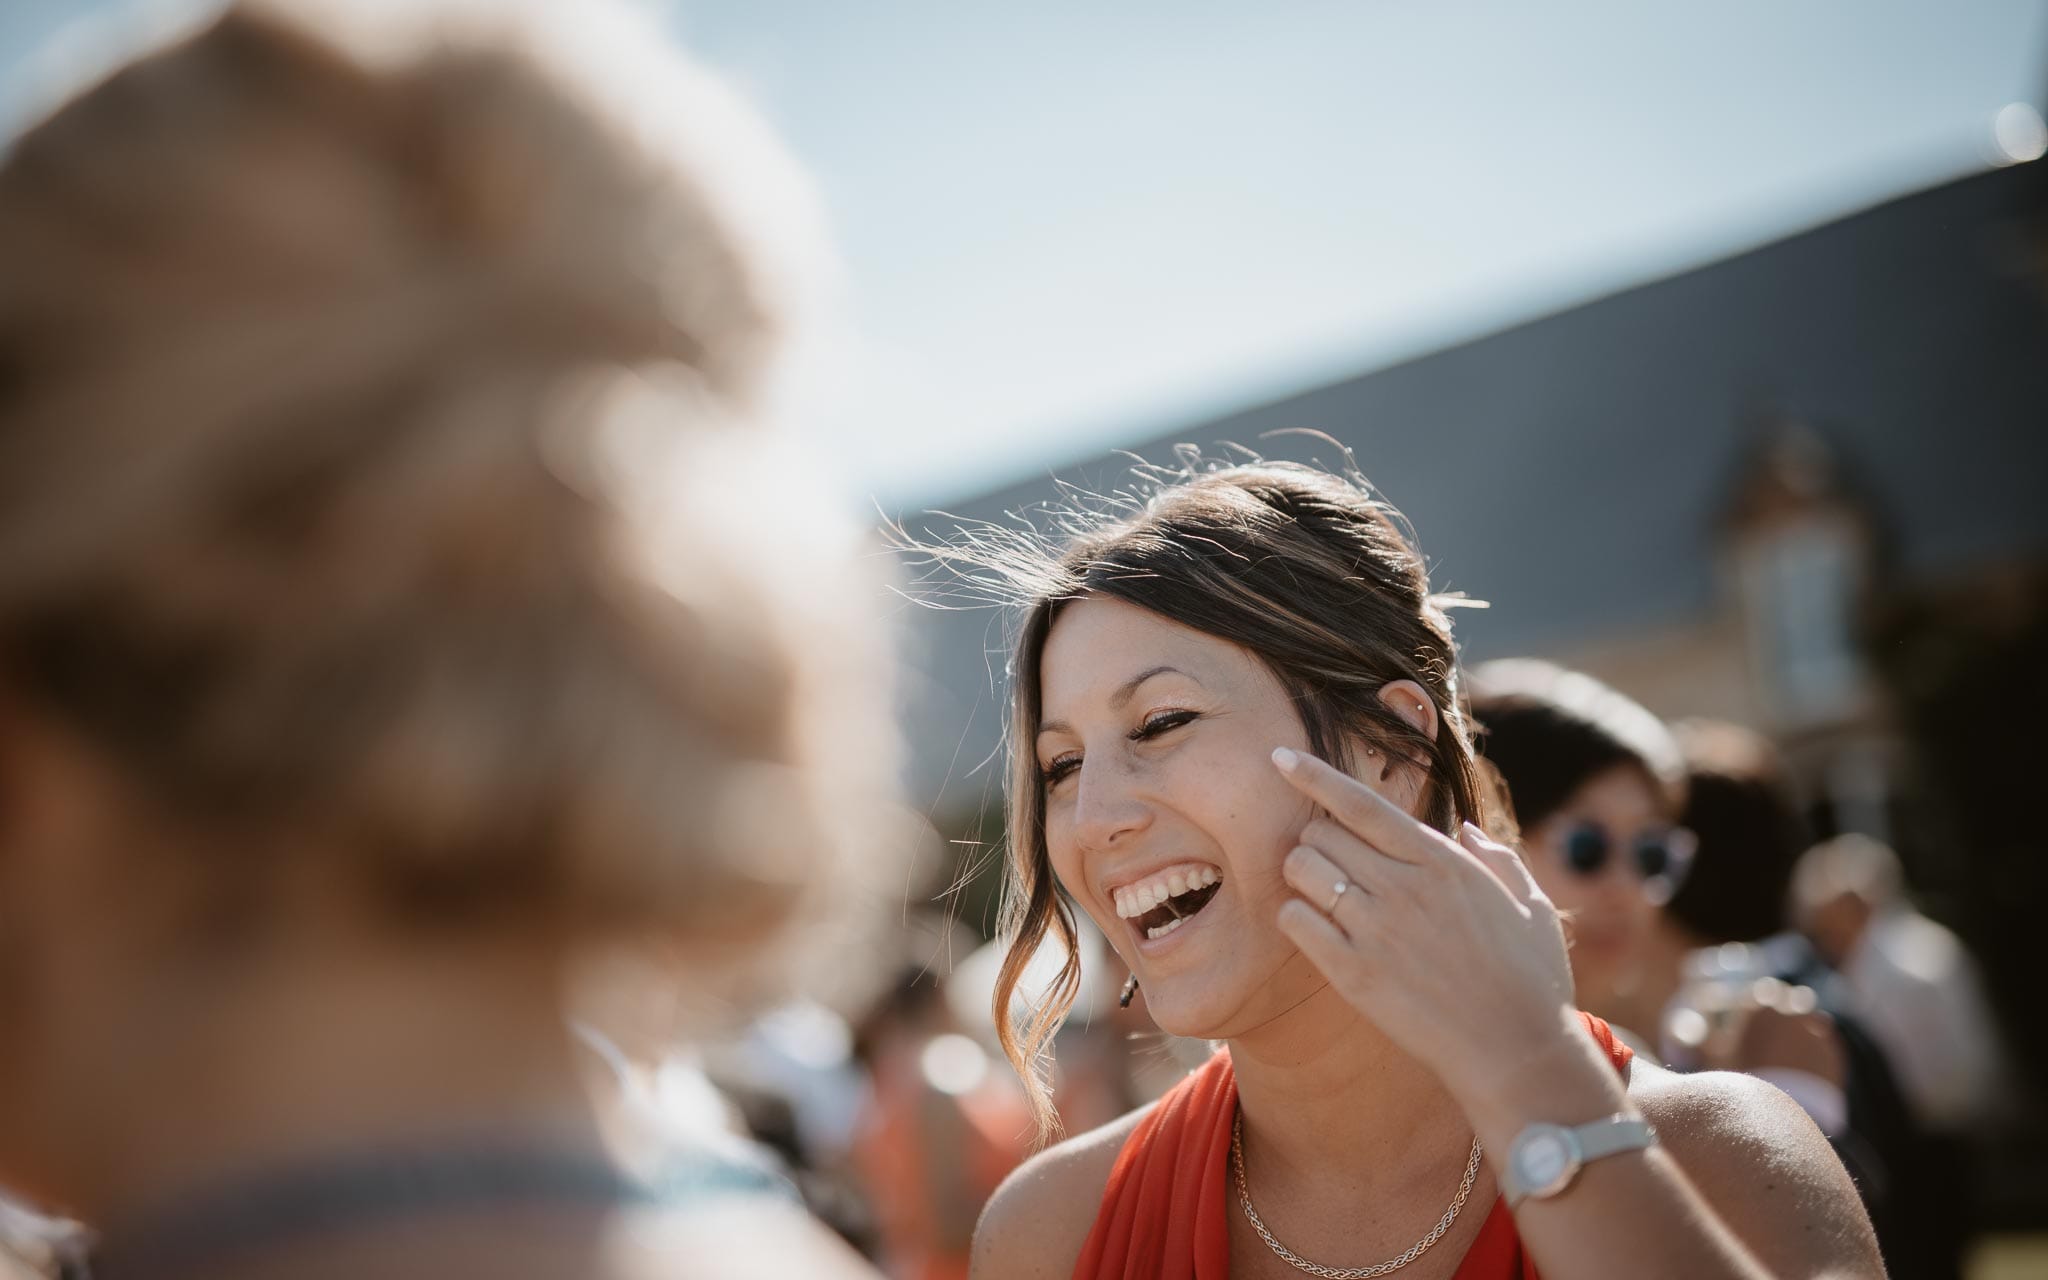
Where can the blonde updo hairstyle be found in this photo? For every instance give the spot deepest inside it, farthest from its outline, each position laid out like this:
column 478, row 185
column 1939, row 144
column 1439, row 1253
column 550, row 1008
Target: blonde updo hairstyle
column 372, row 489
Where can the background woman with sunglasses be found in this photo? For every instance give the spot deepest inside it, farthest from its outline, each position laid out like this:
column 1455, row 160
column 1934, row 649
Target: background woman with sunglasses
column 1596, row 783
column 1604, row 794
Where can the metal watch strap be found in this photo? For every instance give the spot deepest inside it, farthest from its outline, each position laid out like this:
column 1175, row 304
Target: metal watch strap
column 1613, row 1136
column 1561, row 1152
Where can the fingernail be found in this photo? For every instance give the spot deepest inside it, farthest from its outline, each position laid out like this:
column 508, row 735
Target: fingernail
column 1474, row 833
column 1285, row 760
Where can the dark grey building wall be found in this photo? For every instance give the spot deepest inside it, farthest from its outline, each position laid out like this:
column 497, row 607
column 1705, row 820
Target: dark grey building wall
column 1572, row 470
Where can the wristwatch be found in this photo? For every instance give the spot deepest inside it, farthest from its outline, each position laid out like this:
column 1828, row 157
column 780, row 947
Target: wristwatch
column 1544, row 1158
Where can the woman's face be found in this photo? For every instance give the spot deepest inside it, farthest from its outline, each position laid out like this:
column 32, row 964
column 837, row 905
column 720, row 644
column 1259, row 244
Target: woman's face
column 1165, row 818
column 1612, row 813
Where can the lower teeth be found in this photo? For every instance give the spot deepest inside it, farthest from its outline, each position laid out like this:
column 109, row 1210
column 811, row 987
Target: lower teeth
column 1160, row 931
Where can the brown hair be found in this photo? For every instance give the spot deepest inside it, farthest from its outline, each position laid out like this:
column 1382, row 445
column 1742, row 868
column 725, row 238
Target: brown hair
column 1307, row 570
column 365, row 480
column 1549, row 731
column 1740, row 803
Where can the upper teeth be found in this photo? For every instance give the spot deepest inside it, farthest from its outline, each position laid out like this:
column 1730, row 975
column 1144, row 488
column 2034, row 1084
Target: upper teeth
column 1137, row 899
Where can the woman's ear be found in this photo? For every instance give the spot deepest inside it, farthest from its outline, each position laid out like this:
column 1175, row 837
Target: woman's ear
column 1411, row 702
column 1402, row 781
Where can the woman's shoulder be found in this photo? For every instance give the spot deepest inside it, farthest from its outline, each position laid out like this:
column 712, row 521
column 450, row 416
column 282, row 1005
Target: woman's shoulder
column 1724, row 1123
column 1036, row 1222
column 1716, row 1108
column 1754, row 1154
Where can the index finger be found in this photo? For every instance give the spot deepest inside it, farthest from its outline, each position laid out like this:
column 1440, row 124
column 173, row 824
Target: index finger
column 1369, row 815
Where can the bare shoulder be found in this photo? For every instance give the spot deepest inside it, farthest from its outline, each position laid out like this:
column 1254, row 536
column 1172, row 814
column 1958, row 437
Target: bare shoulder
column 1038, row 1219
column 1725, row 1127
column 1764, row 1166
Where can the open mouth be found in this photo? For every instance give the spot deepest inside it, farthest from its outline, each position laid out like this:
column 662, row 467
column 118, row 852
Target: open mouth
column 1165, row 901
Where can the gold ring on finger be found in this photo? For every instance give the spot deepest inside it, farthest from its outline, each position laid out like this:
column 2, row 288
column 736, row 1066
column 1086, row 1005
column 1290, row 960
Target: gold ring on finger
column 1337, row 895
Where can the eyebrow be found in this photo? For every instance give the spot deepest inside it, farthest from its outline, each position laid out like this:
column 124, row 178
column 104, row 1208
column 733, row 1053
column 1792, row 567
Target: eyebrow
column 1122, row 695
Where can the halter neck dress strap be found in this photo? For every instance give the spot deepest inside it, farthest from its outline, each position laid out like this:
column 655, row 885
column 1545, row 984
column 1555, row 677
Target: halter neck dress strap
column 1166, row 1208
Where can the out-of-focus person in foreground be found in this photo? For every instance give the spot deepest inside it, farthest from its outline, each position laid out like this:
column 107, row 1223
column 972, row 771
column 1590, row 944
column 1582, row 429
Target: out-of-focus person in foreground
column 1240, row 748
column 398, row 631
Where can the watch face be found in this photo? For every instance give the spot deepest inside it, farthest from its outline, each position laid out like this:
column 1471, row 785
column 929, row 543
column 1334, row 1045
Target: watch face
column 1543, row 1160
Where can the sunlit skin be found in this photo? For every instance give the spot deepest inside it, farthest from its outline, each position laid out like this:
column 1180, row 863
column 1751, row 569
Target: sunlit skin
column 1375, row 1033
column 1150, row 767
column 1175, row 769
column 1611, row 917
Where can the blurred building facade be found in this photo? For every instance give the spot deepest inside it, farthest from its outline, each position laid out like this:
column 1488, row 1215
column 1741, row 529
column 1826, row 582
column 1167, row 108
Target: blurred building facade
column 1697, row 488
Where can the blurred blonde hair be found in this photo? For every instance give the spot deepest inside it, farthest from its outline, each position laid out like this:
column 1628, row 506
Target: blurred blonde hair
column 369, row 475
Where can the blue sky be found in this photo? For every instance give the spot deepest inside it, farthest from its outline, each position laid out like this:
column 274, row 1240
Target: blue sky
column 1069, row 226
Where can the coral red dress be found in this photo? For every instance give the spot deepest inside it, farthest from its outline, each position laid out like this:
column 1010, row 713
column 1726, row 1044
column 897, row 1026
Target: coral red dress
column 1166, row 1208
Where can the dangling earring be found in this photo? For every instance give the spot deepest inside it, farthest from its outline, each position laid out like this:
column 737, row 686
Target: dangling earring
column 1130, row 989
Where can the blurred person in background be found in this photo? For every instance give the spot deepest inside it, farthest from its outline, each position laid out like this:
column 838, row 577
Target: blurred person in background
column 398, row 646
column 1908, row 978
column 1787, row 1020
column 1240, row 747
column 1746, row 832
column 1592, row 774
column 1925, row 1071
column 940, row 1130
column 34, row 1246
column 1595, row 782
column 1576, row 756
column 1108, row 1055
column 794, row 1080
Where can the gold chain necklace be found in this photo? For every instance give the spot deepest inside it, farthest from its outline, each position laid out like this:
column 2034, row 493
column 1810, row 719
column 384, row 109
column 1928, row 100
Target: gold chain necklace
column 1299, row 1263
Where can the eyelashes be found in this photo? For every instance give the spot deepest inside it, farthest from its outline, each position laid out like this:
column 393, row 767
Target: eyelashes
column 1160, row 722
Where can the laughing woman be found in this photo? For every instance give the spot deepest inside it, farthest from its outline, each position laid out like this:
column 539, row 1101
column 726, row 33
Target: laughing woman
column 1239, row 748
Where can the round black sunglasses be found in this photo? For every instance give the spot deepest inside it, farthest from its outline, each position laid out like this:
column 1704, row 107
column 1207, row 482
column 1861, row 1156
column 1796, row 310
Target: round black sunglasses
column 1660, row 858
